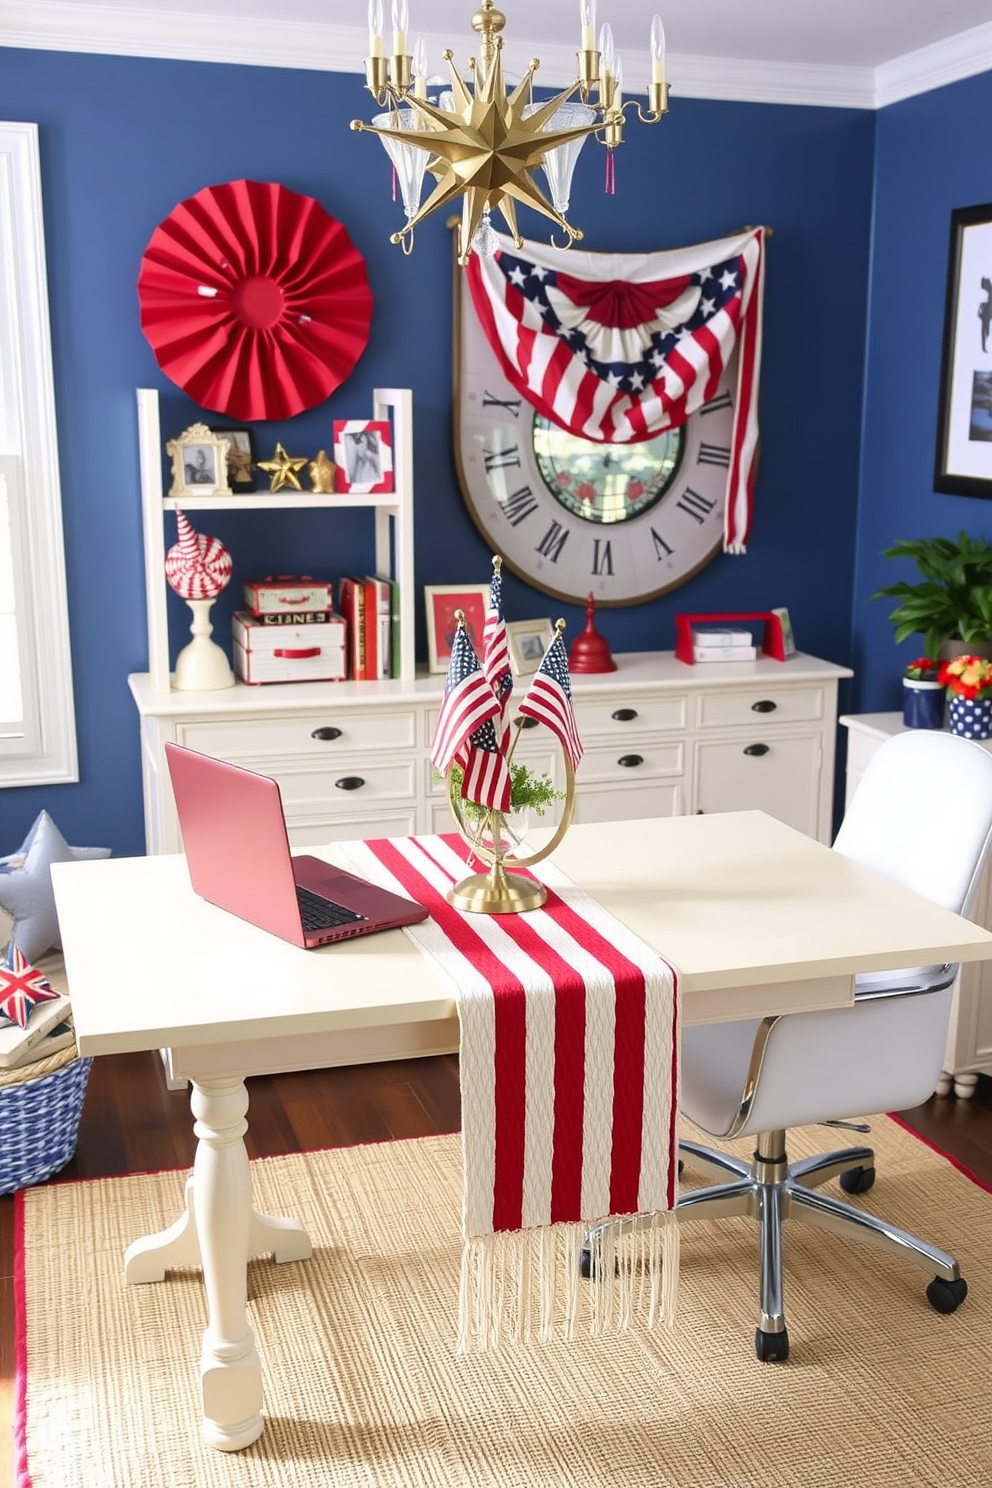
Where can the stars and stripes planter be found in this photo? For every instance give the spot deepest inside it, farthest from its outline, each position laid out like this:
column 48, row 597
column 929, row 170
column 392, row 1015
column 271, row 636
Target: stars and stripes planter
column 970, row 717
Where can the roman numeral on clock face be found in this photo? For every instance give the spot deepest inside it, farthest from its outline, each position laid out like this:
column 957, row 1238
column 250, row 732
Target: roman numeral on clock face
column 602, row 556
column 714, row 454
column 553, row 541
column 694, row 505
column 512, row 405
column 519, row 505
column 500, row 459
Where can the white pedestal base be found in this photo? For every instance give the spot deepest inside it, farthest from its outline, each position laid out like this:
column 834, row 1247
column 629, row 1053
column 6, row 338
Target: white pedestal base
column 218, row 1231
column 202, row 666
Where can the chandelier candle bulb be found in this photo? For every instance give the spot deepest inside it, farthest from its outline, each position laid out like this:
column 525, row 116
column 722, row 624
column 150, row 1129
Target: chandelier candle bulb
column 375, row 28
column 420, row 68
column 587, row 20
column 401, row 23
column 657, row 47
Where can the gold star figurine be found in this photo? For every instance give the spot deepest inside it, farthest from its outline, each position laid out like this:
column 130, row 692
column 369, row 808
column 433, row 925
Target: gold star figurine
column 321, row 473
column 282, row 470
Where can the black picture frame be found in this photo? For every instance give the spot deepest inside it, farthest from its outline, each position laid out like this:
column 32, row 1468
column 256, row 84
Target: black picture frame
column 963, row 459
column 242, row 473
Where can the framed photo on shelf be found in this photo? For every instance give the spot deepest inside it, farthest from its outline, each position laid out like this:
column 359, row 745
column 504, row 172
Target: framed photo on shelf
column 442, row 600
column 199, row 463
column 363, row 454
column 527, row 641
column 963, row 462
column 241, row 474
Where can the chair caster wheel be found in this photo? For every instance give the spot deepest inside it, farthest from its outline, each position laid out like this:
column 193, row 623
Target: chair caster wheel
column 857, row 1180
column 771, row 1348
column 946, row 1296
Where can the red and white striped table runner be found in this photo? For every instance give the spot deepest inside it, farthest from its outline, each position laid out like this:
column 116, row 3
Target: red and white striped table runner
column 569, row 1079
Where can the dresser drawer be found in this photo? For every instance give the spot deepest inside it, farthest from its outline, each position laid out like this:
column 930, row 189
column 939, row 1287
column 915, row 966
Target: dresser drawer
column 349, row 786
column 245, row 738
column 762, row 706
column 780, row 775
column 620, row 718
column 646, row 761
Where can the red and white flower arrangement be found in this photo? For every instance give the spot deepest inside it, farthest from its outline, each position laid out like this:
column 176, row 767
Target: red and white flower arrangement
column 967, row 677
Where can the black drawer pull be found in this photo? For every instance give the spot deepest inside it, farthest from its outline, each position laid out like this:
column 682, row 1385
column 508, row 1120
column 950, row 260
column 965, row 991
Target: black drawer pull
column 526, row 722
column 629, row 761
column 757, row 749
column 327, row 733
column 350, row 782
column 625, row 715
column 764, row 705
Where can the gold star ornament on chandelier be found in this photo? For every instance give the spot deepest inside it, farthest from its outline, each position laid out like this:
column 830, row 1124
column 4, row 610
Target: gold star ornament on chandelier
column 483, row 144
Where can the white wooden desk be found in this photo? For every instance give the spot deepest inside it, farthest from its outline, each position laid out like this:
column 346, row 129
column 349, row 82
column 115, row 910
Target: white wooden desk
column 756, row 918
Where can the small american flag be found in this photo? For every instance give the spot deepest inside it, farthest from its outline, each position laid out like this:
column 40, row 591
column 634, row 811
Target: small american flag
column 468, row 702
column 21, row 986
column 496, row 655
column 486, row 777
column 549, row 699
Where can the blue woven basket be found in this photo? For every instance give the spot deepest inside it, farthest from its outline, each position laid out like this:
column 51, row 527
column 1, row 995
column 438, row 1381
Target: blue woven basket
column 39, row 1123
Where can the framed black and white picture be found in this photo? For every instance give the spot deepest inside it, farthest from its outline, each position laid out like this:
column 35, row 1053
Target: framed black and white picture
column 963, row 464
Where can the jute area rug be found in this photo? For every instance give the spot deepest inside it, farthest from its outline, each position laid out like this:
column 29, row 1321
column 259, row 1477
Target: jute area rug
column 363, row 1386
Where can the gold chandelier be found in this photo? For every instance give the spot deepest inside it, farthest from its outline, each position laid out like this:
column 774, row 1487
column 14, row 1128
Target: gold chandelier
column 484, row 144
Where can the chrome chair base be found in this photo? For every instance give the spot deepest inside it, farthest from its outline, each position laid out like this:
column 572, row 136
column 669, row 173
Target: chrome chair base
column 771, row 1190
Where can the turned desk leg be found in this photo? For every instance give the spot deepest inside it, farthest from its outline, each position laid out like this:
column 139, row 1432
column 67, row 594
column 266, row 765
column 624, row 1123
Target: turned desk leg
column 219, row 1230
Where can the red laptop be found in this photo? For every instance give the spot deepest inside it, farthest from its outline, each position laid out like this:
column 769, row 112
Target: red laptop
column 237, row 849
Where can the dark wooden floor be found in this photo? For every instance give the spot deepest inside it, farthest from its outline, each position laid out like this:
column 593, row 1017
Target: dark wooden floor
column 132, row 1123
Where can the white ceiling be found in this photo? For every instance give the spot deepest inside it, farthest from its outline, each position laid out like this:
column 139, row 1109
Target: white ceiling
column 861, row 53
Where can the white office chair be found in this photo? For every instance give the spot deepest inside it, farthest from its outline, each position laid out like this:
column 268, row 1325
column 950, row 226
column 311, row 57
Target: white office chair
column 883, row 1054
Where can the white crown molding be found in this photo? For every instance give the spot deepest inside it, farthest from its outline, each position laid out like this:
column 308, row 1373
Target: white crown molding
column 75, row 26
column 948, row 61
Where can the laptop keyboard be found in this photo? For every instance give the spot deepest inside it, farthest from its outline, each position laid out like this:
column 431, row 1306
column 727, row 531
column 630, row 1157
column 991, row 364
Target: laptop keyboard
column 323, row 914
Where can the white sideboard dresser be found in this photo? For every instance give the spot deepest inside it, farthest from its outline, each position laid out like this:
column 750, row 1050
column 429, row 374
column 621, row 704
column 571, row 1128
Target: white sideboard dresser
column 661, row 739
column 969, row 1040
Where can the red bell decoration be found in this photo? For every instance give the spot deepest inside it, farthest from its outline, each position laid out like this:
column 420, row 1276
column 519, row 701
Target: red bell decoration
column 590, row 652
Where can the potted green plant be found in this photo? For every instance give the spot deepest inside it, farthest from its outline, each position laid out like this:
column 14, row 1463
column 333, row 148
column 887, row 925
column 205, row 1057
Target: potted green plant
column 528, row 792
column 968, row 680
column 923, row 694
column 953, row 601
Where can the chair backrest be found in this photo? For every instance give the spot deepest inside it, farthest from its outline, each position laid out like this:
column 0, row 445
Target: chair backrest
column 922, row 815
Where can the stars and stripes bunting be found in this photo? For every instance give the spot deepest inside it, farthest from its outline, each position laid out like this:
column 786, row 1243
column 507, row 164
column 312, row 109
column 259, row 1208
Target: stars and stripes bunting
column 21, row 988
column 549, row 699
column 569, row 1077
column 617, row 348
column 468, row 702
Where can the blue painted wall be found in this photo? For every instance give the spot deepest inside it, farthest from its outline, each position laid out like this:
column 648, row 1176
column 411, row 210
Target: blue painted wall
column 932, row 156
column 124, row 139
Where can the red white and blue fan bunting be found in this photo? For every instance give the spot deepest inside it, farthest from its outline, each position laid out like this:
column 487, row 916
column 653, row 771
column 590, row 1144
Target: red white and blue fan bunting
column 617, row 348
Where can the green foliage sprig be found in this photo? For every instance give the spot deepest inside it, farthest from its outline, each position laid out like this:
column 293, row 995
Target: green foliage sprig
column 528, row 791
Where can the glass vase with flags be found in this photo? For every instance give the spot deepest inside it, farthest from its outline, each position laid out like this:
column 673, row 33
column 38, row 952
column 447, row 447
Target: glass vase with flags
column 473, row 748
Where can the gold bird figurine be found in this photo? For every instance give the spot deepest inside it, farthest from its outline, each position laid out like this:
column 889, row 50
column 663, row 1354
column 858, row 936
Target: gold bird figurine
column 321, row 472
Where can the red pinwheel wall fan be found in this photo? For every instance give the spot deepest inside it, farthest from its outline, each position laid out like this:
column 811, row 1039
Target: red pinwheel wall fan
column 254, row 300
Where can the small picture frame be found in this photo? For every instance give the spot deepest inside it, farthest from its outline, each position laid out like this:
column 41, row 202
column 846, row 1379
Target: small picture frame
column 963, row 460
column 241, row 471
column 527, row 641
column 442, row 600
column 363, row 454
column 199, row 463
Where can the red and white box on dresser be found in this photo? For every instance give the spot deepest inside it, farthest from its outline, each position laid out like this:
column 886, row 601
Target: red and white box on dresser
column 288, row 632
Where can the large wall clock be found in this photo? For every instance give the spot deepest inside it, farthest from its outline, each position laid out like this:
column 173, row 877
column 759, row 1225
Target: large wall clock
column 572, row 517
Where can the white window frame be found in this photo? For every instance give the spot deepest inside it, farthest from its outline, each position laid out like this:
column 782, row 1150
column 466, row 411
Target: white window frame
column 44, row 751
